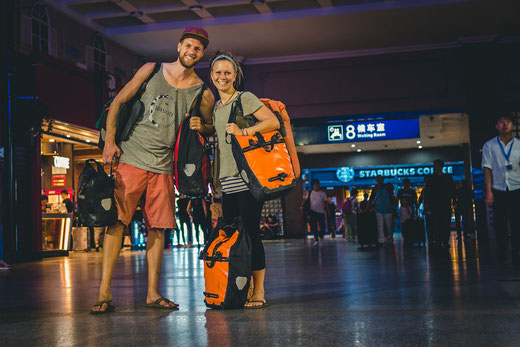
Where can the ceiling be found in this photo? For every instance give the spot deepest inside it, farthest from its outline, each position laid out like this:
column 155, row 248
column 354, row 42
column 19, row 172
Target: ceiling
column 281, row 30
column 436, row 131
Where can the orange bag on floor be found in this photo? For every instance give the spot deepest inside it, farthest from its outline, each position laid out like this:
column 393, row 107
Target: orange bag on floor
column 227, row 266
column 264, row 161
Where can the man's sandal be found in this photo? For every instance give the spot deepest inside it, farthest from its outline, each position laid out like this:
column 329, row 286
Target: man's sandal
column 264, row 304
column 110, row 307
column 157, row 304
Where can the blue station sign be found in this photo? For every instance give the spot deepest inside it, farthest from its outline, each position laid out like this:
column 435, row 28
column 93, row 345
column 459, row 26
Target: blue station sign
column 395, row 129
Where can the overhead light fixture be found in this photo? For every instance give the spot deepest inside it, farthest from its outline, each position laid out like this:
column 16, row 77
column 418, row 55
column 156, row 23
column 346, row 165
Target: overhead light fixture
column 359, row 150
column 196, row 8
column 418, row 141
column 420, row 147
column 137, row 13
column 68, row 135
column 87, row 140
column 51, row 140
column 353, row 145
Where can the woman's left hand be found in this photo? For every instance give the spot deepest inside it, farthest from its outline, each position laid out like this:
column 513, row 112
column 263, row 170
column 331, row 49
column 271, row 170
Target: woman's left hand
column 233, row 129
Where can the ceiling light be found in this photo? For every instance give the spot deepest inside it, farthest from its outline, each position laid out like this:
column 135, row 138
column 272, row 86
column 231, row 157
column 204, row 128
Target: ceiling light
column 418, row 141
column 257, row 1
column 68, row 136
column 419, row 147
column 51, row 140
column 196, row 8
column 359, row 150
column 353, row 145
column 87, row 140
column 137, row 13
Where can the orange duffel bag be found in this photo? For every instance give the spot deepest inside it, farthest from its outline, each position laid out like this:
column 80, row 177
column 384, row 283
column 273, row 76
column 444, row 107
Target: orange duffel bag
column 264, row 161
column 227, row 266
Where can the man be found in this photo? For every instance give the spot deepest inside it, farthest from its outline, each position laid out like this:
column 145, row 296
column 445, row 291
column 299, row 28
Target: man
column 440, row 190
column 463, row 208
column 501, row 164
column 318, row 208
column 350, row 210
column 66, row 200
column 145, row 160
column 407, row 193
column 45, row 201
column 383, row 199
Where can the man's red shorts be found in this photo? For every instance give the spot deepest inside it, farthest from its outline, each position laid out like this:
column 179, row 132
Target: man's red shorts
column 159, row 206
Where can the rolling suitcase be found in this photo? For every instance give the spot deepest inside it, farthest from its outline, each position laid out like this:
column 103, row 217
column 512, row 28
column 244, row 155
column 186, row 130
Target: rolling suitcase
column 367, row 229
column 227, row 266
column 413, row 232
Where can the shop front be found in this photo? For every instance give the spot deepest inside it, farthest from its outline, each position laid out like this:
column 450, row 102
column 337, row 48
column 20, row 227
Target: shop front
column 64, row 149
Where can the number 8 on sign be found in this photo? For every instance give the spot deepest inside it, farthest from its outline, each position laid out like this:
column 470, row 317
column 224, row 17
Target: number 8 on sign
column 351, row 134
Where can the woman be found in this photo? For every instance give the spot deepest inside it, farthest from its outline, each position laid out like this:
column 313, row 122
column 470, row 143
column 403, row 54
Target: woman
column 237, row 200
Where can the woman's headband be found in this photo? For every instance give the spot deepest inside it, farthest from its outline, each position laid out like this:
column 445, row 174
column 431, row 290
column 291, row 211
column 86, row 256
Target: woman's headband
column 222, row 56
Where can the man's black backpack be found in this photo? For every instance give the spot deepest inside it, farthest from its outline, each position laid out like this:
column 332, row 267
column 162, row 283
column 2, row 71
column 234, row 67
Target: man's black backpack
column 96, row 203
column 127, row 116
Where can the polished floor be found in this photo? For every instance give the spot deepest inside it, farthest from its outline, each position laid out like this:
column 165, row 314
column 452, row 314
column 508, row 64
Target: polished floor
column 334, row 295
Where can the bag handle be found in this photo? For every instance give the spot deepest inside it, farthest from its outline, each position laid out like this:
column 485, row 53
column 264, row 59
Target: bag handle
column 98, row 165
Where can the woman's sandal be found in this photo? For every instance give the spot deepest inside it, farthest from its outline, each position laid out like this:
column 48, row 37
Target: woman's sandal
column 264, row 304
column 157, row 304
column 110, row 307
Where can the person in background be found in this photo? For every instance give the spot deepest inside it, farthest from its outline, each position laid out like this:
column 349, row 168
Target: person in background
column 273, row 225
column 426, row 212
column 350, row 210
column 198, row 213
column 406, row 212
column 440, row 190
column 382, row 198
column 66, row 200
column 331, row 217
column 463, row 209
column 216, row 211
column 501, row 164
column 45, row 201
column 184, row 219
column 407, row 193
column 318, row 210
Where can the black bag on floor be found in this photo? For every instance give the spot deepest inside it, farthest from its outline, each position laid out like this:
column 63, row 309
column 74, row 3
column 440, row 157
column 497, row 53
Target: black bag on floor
column 191, row 157
column 413, row 231
column 367, row 229
column 96, row 204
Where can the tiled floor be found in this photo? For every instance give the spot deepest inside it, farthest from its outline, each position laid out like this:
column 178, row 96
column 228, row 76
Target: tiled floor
column 334, row 295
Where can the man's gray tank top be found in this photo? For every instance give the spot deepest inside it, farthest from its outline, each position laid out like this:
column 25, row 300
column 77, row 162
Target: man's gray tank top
column 150, row 144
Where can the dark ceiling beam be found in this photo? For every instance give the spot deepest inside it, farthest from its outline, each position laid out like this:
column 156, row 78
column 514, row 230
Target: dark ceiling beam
column 129, row 8
column 202, row 13
column 325, row 3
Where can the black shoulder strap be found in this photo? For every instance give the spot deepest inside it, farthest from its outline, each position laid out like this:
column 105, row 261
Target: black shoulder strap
column 195, row 111
column 156, row 69
column 236, row 109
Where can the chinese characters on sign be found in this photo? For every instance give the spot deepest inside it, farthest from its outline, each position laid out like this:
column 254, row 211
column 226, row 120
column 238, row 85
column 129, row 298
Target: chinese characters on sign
column 377, row 130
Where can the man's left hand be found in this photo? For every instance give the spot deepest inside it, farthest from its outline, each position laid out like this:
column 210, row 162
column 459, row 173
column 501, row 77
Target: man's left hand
column 195, row 123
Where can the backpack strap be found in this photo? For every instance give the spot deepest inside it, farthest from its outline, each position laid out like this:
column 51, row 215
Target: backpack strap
column 236, row 110
column 141, row 89
column 195, row 111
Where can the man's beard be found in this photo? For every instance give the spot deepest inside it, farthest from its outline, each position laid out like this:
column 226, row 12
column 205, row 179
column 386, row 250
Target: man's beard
column 188, row 66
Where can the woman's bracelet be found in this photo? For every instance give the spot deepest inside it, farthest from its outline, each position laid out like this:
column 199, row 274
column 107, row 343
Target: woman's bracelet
column 244, row 132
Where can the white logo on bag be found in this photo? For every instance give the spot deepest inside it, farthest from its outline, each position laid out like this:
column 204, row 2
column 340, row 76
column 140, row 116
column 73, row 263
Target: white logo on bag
column 106, row 203
column 241, row 282
column 189, row 169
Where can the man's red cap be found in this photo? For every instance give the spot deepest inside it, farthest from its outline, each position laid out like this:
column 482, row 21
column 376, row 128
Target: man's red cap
column 196, row 32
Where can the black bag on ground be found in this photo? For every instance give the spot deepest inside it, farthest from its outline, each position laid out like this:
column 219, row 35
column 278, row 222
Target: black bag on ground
column 192, row 165
column 96, row 204
column 367, row 229
column 413, row 231
column 127, row 116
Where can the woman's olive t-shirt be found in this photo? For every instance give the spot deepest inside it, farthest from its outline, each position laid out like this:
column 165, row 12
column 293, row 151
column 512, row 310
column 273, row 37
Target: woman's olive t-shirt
column 250, row 104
